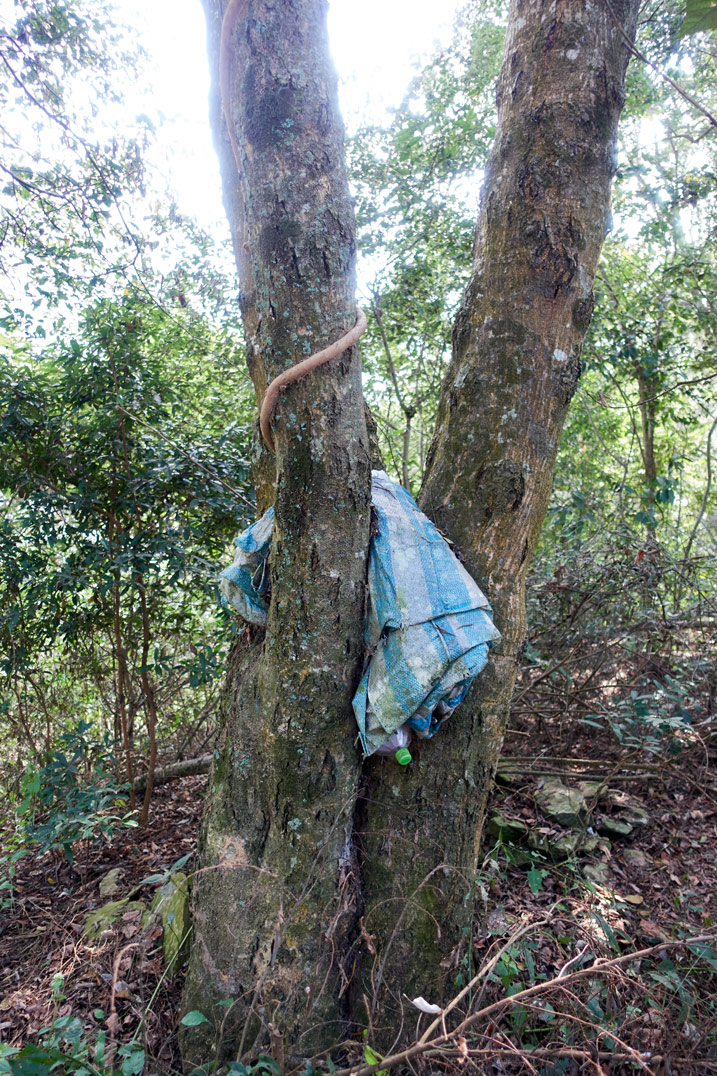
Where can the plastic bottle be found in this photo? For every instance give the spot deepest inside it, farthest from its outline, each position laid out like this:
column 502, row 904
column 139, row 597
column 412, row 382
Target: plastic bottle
column 397, row 745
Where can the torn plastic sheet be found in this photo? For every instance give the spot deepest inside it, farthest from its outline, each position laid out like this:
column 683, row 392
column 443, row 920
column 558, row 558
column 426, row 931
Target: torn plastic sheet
column 428, row 627
column 244, row 585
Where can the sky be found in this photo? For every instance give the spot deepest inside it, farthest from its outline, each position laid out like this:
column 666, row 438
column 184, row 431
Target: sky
column 376, row 53
column 373, row 52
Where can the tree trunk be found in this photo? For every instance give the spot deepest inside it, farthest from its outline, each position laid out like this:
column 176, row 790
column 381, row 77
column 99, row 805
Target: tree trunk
column 514, row 369
column 281, row 957
column 647, row 388
column 276, row 892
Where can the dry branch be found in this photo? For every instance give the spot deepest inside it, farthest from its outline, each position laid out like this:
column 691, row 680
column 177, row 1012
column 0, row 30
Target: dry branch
column 188, row 767
column 447, row 1041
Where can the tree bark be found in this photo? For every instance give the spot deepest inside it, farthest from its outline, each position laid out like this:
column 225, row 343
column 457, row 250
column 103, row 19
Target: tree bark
column 282, row 956
column 276, row 892
column 514, row 369
column 647, row 389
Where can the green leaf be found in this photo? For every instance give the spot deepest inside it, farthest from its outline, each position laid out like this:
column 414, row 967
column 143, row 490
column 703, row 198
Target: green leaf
column 700, row 17
column 535, row 879
column 267, row 1064
column 194, row 1018
column 133, row 1064
column 705, row 952
column 609, row 933
column 34, row 1060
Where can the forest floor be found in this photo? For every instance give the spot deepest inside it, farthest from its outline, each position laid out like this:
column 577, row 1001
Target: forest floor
column 548, row 914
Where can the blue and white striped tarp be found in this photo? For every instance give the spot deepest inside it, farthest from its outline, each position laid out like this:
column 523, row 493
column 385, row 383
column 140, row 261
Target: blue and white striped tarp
column 244, row 584
column 428, row 626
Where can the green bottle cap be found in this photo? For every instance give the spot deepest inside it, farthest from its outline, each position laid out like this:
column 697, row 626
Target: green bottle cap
column 403, row 756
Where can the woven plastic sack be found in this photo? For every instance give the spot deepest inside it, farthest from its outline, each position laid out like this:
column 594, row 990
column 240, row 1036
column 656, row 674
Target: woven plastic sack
column 428, row 627
column 246, row 582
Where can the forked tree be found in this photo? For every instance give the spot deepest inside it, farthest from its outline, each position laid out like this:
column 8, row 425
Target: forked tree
column 330, row 887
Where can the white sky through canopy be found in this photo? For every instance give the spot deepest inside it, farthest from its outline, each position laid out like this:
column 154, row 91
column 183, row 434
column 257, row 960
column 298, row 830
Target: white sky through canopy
column 373, row 45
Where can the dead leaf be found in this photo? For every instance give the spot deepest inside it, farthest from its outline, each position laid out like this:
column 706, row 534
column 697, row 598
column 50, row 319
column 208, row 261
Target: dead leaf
column 651, row 930
column 631, row 898
column 451, row 961
column 367, row 938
